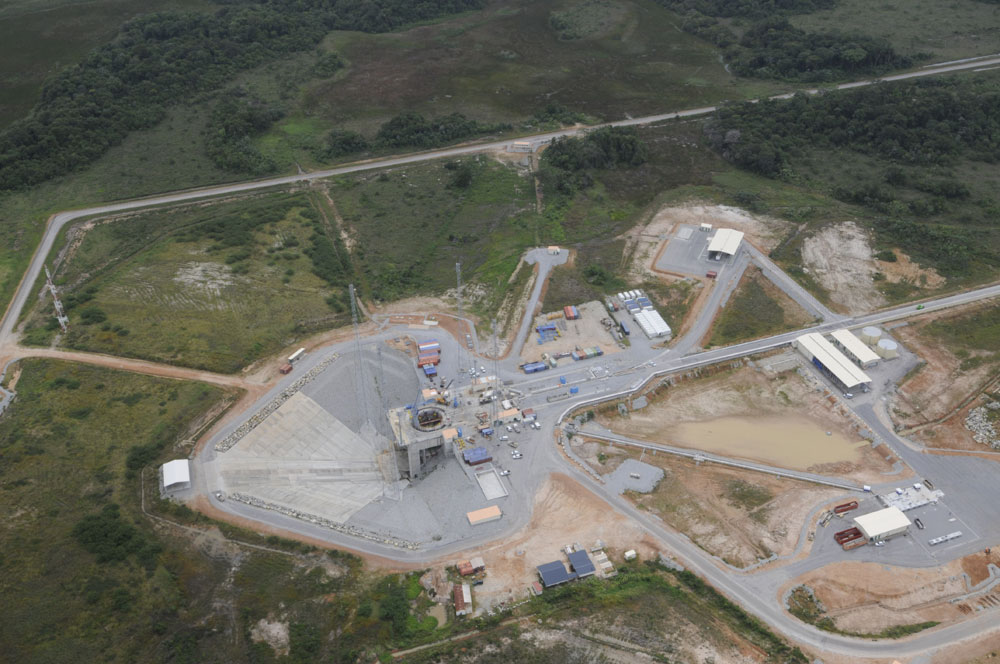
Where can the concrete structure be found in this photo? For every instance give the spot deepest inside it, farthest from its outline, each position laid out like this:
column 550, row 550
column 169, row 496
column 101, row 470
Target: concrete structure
column 303, row 458
column 485, row 515
column 870, row 335
column 821, row 353
column 864, row 356
column 176, row 475
column 887, row 348
column 726, row 242
column 883, row 524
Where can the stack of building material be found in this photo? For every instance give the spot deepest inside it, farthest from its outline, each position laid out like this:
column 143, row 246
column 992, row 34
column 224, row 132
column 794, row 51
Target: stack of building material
column 476, row 456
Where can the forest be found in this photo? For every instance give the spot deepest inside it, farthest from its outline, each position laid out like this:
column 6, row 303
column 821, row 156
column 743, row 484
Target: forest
column 566, row 164
column 771, row 47
column 158, row 59
column 408, row 130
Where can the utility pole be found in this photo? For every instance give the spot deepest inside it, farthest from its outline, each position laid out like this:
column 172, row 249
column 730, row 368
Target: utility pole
column 462, row 354
column 60, row 312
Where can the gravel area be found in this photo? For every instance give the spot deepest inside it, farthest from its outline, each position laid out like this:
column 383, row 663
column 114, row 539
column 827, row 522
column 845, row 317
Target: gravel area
column 622, row 480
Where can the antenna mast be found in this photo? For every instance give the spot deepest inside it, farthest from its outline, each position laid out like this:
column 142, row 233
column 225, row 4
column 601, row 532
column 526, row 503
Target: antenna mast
column 60, row 312
column 462, row 355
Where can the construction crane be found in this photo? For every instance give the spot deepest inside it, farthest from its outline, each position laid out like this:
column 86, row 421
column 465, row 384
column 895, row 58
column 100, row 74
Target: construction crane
column 60, row 312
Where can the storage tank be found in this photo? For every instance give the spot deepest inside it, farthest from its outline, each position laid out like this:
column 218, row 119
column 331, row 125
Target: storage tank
column 887, row 349
column 871, row 335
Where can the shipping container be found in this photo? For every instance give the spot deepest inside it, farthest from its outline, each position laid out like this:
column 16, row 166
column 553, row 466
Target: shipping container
column 534, row 367
column 285, row 369
column 425, row 360
column 297, row 354
column 624, row 328
column 428, row 346
column 571, row 312
column 547, row 327
column 430, row 370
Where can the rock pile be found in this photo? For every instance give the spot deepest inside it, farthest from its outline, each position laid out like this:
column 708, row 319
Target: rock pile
column 229, row 441
column 978, row 422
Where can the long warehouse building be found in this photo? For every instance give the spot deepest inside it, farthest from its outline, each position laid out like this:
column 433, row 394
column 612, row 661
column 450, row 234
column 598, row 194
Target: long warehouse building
column 855, row 349
column 822, row 353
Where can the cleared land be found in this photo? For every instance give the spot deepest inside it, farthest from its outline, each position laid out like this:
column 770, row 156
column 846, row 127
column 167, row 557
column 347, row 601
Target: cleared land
column 581, row 333
column 867, row 598
column 959, row 349
column 779, row 419
column 757, row 308
column 742, row 517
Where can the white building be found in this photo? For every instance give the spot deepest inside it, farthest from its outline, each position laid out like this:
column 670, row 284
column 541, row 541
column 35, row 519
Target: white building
column 176, row 475
column 652, row 324
column 821, row 352
column 855, row 349
column 883, row 524
column 725, row 242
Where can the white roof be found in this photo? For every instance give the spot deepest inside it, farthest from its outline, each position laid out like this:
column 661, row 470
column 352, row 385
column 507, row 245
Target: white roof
column 177, row 471
column 726, row 241
column 846, row 371
column 883, row 521
column 855, row 346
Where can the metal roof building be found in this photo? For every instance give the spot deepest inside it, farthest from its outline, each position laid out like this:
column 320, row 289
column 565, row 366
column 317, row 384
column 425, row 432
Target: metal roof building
column 855, row 348
column 822, row 353
column 882, row 524
column 652, row 323
column 176, row 474
column 554, row 574
column 725, row 241
column 581, row 564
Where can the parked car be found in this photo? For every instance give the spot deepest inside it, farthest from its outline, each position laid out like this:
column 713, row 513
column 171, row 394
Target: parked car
column 504, row 438
column 517, row 455
column 505, row 472
column 848, row 395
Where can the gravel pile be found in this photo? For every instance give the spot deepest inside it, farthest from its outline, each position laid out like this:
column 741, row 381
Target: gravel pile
column 353, row 531
column 229, row 441
column 978, row 422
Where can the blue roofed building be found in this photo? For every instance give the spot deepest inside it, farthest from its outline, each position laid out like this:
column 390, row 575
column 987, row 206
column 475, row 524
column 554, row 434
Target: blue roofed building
column 581, row 564
column 554, row 574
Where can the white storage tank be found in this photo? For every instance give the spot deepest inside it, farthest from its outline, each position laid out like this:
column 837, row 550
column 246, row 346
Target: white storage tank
column 871, row 335
column 887, row 349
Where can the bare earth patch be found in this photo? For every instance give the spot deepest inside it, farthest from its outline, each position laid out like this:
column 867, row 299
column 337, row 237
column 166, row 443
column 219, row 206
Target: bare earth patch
column 841, row 259
column 564, row 513
column 702, row 501
column 869, row 597
column 934, row 398
column 689, row 411
column 273, row 633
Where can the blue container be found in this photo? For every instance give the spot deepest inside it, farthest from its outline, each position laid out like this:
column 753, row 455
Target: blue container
column 562, row 380
column 574, row 390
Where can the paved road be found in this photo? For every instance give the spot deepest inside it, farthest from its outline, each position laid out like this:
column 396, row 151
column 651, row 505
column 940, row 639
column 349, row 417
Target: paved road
column 57, row 221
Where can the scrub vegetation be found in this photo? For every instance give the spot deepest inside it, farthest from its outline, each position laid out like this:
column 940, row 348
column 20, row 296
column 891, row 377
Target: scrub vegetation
column 803, row 605
column 756, row 309
column 925, row 178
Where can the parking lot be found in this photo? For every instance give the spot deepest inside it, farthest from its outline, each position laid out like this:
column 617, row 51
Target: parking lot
column 686, row 253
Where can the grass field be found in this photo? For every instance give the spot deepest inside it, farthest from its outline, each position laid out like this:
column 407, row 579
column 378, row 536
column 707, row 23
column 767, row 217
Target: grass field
column 756, row 308
column 945, row 30
column 64, row 443
column 169, row 289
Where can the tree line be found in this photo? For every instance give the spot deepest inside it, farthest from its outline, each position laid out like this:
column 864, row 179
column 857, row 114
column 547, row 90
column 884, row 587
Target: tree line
column 908, row 130
column 567, row 163
column 771, row 47
column 159, row 59
column 408, row 130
